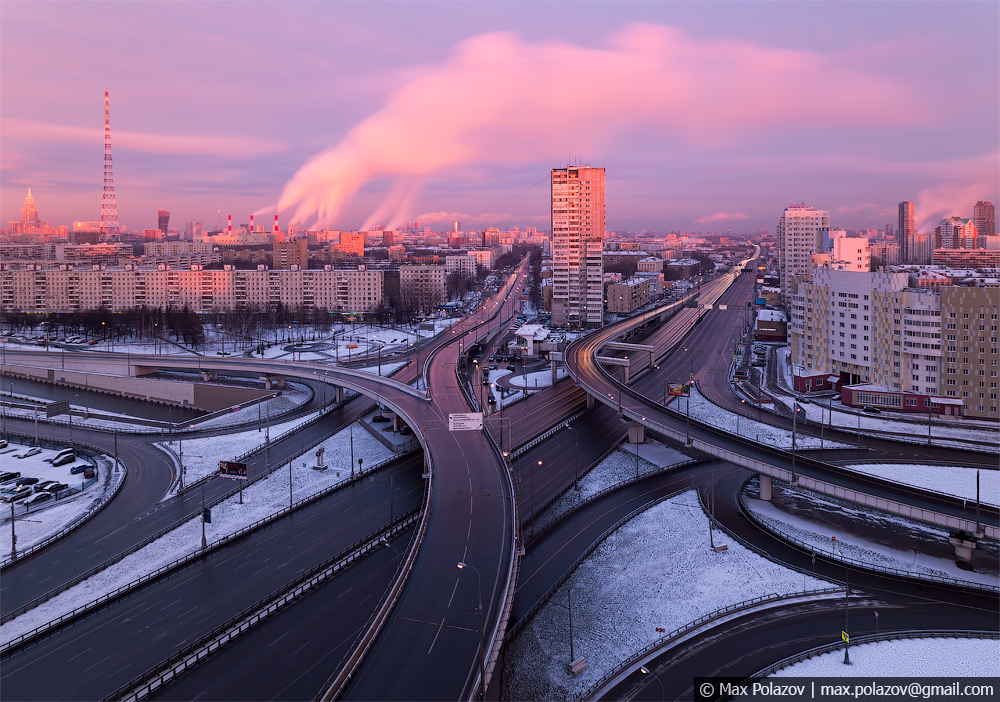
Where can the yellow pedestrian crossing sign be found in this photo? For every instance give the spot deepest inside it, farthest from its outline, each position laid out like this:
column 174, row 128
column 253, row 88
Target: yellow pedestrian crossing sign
column 845, row 637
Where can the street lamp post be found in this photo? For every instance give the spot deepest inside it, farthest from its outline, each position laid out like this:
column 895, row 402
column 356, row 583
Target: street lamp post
column 482, row 652
column 646, row 671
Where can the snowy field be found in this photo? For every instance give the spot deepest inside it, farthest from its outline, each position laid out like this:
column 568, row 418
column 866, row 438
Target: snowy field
column 655, row 571
column 926, row 658
column 260, row 500
column 49, row 517
column 929, row 554
column 959, row 481
column 706, row 411
column 201, row 456
column 852, row 420
column 618, row 468
column 534, row 382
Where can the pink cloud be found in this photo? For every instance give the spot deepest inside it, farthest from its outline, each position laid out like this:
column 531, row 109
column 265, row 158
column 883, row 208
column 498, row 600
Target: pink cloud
column 226, row 146
column 500, row 99
column 720, row 217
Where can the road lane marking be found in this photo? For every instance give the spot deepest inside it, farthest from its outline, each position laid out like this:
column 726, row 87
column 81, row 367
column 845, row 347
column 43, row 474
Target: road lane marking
column 439, row 630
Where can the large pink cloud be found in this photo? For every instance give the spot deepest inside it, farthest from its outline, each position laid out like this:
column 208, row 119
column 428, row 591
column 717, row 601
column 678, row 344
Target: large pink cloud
column 502, row 100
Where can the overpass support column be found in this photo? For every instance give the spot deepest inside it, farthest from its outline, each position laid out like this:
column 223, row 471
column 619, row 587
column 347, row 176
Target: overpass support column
column 963, row 547
column 636, row 432
column 207, row 375
column 590, row 400
column 765, row 487
column 272, row 381
column 339, row 394
column 554, row 365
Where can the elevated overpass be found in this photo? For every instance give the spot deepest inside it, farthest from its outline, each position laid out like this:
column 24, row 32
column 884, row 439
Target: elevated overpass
column 642, row 412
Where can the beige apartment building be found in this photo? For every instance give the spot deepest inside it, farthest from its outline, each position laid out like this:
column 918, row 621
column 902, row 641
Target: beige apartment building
column 578, row 224
column 422, row 288
column 800, row 235
column 628, row 296
column 67, row 289
column 872, row 328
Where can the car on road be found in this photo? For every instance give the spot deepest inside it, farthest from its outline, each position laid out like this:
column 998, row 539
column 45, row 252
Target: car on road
column 37, row 499
column 33, row 451
column 89, row 472
column 871, row 410
column 16, row 494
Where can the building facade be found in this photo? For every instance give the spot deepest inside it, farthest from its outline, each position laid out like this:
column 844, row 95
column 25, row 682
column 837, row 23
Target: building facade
column 67, row 289
column 578, row 224
column 984, row 217
column 422, row 288
column 870, row 328
column 905, row 230
column 800, row 235
column 286, row 254
column 628, row 296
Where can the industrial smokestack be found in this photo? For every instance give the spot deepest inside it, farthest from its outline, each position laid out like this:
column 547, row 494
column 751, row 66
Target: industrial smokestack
column 251, row 224
column 230, row 224
column 276, row 230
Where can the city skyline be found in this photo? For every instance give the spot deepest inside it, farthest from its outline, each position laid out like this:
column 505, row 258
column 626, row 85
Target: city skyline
column 378, row 114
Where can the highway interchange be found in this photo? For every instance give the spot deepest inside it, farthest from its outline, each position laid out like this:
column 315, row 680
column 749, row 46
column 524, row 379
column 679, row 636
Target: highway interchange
column 430, row 639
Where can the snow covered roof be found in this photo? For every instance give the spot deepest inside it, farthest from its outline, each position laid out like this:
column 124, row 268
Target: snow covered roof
column 771, row 315
column 534, row 332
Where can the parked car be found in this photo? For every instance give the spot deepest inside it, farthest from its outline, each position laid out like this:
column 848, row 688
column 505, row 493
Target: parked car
column 16, row 494
column 78, row 469
column 3, row 443
column 22, row 482
column 871, row 410
column 64, row 452
column 56, row 487
column 37, row 499
column 801, row 399
column 95, row 342
column 8, row 477
column 63, row 460
column 33, row 451
column 405, row 430
column 44, row 486
column 89, row 473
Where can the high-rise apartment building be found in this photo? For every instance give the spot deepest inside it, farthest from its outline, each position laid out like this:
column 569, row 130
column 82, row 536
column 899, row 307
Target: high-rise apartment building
column 578, row 224
column 905, row 230
column 286, row 254
column 984, row 217
column 163, row 221
column 955, row 233
column 800, row 235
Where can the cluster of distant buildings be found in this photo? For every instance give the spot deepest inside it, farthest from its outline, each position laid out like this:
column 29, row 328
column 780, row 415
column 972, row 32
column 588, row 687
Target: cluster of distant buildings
column 909, row 325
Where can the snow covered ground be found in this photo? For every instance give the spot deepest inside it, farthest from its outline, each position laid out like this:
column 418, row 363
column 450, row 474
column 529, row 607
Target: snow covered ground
column 201, row 456
column 706, row 411
column 926, row 550
column 619, row 467
column 850, row 419
column 959, row 481
column 926, row 658
column 657, row 570
column 49, row 517
column 260, row 500
column 536, row 381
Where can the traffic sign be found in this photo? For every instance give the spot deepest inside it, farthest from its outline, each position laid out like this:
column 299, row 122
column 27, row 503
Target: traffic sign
column 845, row 637
column 465, row 421
column 206, row 515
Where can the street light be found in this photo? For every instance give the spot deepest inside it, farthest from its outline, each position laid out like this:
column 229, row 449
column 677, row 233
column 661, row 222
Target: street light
column 646, row 671
column 482, row 653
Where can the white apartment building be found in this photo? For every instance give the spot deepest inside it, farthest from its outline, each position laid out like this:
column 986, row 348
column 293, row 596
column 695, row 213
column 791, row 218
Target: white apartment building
column 578, row 223
column 800, row 235
column 75, row 290
column 422, row 288
column 463, row 265
column 869, row 327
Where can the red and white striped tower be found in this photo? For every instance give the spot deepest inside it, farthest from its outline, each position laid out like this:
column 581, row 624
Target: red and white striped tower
column 251, row 224
column 109, row 208
column 230, row 231
column 276, row 230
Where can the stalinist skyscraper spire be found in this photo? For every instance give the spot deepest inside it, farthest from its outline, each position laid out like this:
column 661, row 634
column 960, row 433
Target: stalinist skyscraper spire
column 109, row 208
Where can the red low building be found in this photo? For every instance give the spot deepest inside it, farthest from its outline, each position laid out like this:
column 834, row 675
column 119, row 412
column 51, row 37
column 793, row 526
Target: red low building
column 815, row 382
column 867, row 395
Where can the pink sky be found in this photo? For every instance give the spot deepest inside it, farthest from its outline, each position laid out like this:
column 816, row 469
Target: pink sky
column 705, row 115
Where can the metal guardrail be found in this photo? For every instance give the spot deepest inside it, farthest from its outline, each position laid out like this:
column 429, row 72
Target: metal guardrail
column 79, row 519
column 770, row 525
column 871, row 638
column 526, row 446
column 304, row 502
column 666, row 639
column 153, row 680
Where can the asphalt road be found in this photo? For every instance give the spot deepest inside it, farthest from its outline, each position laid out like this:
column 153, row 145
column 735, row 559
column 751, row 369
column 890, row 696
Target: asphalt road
column 107, row 649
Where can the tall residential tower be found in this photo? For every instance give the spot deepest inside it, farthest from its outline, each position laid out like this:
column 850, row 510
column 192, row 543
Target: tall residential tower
column 578, row 222
column 800, row 235
column 905, row 231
